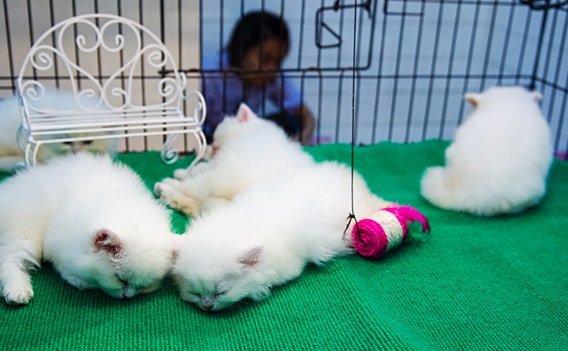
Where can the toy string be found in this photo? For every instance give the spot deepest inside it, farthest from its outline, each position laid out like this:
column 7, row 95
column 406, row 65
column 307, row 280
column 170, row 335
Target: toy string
column 353, row 94
column 350, row 218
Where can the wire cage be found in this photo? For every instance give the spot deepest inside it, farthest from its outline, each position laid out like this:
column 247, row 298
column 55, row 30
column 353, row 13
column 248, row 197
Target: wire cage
column 369, row 70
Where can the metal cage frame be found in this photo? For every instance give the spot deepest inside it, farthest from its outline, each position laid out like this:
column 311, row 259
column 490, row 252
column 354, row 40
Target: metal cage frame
column 413, row 59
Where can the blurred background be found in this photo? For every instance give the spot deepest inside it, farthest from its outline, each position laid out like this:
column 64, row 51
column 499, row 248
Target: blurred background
column 394, row 69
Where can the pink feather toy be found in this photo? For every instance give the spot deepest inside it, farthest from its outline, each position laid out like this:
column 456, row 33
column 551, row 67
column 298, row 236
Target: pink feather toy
column 387, row 228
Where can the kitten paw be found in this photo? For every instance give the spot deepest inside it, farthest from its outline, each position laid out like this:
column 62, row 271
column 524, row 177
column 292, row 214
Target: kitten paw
column 18, row 296
column 184, row 173
column 167, row 191
column 181, row 174
column 163, row 190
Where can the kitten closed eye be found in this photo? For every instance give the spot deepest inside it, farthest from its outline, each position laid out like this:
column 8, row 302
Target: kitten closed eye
column 129, row 255
column 222, row 255
column 123, row 282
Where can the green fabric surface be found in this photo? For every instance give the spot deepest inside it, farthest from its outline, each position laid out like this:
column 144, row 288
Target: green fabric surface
column 473, row 284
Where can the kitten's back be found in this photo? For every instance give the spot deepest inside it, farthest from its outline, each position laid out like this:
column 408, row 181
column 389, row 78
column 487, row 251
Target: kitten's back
column 95, row 221
column 300, row 216
column 29, row 199
column 499, row 159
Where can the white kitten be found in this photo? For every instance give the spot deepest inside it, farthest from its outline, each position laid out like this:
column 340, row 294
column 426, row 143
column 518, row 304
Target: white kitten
column 282, row 211
column 499, row 159
column 12, row 156
column 247, row 150
column 94, row 221
column 268, row 233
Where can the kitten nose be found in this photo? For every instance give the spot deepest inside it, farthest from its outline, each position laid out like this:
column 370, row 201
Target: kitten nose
column 207, row 302
column 128, row 293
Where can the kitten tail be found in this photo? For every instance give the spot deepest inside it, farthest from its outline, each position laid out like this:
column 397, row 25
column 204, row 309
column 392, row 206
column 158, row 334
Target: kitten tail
column 437, row 188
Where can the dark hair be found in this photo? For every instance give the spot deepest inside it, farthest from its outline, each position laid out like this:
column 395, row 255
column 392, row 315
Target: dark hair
column 251, row 30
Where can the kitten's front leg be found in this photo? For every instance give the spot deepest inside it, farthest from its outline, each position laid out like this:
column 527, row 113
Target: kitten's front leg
column 178, row 195
column 16, row 259
column 200, row 167
column 184, row 173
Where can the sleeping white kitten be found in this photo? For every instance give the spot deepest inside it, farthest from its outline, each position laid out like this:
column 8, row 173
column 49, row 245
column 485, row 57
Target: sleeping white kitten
column 12, row 156
column 268, row 233
column 95, row 221
column 499, row 159
column 282, row 211
column 247, row 150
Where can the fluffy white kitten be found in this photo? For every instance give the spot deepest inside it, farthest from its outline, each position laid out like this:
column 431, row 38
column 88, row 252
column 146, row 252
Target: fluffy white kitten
column 499, row 159
column 268, row 233
column 12, row 156
column 246, row 150
column 93, row 220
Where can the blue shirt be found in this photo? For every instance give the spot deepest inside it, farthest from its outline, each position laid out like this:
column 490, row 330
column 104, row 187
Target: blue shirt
column 281, row 92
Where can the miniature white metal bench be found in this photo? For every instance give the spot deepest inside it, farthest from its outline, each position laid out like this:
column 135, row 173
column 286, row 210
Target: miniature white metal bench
column 104, row 106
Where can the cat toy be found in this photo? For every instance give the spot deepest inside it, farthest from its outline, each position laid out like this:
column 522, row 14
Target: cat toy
column 385, row 229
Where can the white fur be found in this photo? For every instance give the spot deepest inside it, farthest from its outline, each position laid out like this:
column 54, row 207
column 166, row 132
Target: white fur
column 284, row 211
column 499, row 159
column 247, row 150
column 12, row 156
column 54, row 212
column 279, row 225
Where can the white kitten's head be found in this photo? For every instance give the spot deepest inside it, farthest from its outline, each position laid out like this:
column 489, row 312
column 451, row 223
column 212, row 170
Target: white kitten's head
column 245, row 124
column 124, row 268
column 125, row 250
column 502, row 95
column 214, row 274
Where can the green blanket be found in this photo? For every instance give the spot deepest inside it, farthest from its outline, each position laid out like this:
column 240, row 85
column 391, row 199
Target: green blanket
column 472, row 284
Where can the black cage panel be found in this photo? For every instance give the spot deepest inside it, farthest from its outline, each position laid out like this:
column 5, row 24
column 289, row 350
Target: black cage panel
column 409, row 61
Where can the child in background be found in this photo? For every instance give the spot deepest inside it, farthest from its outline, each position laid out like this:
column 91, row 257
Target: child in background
column 247, row 71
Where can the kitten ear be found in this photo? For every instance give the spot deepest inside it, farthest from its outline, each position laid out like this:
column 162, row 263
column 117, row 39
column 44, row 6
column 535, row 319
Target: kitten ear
column 251, row 255
column 473, row 99
column 108, row 242
column 244, row 114
column 537, row 96
column 175, row 256
column 176, row 247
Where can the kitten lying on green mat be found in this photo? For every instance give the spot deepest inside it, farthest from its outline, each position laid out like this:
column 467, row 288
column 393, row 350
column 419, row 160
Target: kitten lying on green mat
column 267, row 209
column 95, row 221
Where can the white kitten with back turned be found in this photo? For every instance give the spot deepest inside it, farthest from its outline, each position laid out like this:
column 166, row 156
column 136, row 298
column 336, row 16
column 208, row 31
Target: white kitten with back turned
column 247, row 150
column 500, row 157
column 12, row 156
column 95, row 221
